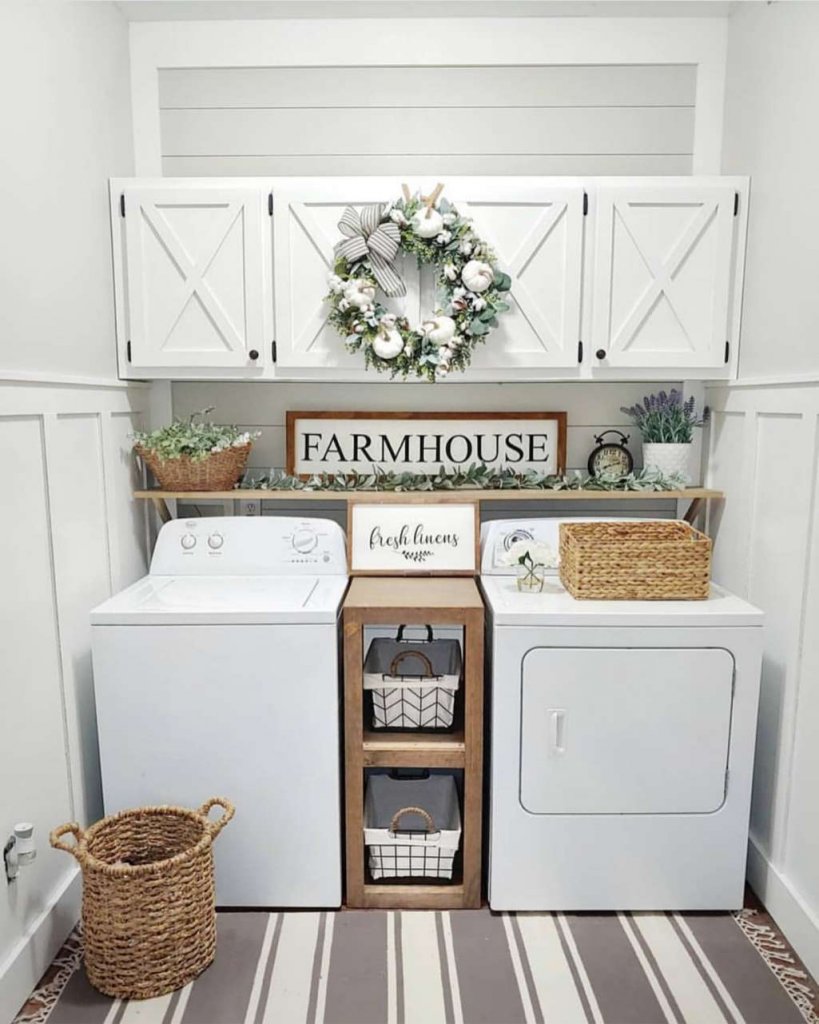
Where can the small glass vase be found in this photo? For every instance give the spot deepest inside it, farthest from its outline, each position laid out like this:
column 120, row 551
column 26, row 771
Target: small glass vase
column 531, row 578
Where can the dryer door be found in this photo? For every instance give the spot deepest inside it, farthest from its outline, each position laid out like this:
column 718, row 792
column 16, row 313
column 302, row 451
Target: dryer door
column 625, row 730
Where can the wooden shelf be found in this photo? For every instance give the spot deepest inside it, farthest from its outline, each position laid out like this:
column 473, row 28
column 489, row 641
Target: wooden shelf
column 414, row 750
column 695, row 495
column 454, row 601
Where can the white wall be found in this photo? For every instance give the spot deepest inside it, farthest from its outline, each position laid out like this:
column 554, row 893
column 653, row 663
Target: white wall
column 70, row 532
column 764, row 442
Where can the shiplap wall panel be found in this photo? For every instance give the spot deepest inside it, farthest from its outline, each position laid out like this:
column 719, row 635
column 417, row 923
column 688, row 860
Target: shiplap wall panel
column 407, row 121
column 571, row 86
column 448, row 164
column 590, row 407
column 427, row 131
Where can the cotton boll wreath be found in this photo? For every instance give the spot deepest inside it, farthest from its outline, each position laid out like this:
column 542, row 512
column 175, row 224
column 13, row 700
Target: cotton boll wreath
column 470, row 288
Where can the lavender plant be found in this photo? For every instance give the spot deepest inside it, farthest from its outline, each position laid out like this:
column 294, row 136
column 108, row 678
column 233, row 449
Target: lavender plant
column 665, row 418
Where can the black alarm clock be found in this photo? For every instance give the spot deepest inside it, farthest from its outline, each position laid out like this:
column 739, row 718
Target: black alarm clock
column 611, row 458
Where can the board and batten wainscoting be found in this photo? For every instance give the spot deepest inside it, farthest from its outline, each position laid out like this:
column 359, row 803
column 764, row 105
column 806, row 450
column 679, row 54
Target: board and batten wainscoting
column 763, row 450
column 70, row 536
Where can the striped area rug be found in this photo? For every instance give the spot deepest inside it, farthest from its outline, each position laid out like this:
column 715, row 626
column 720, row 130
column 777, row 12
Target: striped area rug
column 467, row 967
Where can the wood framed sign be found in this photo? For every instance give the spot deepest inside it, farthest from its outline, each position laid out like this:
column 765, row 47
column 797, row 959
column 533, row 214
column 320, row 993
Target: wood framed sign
column 415, row 442
column 416, row 538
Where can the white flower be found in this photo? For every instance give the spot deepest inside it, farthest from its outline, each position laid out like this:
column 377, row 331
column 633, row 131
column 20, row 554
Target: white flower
column 397, row 217
column 450, row 271
column 477, row 276
column 344, row 305
column 441, row 371
column 443, row 237
column 540, row 553
column 359, row 328
column 389, row 319
column 408, row 349
column 449, row 219
column 465, row 247
column 458, row 293
column 335, row 283
column 478, row 303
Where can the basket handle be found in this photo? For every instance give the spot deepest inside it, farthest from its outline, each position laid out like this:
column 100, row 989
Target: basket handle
column 73, row 848
column 400, row 635
column 217, row 826
column 396, row 818
column 401, row 657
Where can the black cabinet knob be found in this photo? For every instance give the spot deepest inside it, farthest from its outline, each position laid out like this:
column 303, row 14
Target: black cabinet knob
column 600, row 353
column 254, row 353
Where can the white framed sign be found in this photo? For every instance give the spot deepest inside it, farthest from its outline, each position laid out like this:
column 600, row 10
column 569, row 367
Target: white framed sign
column 410, row 442
column 417, row 538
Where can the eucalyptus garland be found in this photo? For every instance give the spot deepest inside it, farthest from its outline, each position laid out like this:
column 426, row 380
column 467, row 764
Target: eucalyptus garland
column 471, row 290
column 476, row 477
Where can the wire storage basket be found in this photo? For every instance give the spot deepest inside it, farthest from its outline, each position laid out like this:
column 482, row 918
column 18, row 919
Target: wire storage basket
column 218, row 471
column 412, row 827
column 639, row 561
column 413, row 684
column 148, row 904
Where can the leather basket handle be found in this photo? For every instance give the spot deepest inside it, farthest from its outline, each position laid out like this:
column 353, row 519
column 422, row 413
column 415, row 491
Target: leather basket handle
column 399, row 636
column 402, row 656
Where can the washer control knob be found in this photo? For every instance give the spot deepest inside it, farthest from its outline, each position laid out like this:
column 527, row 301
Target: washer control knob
column 215, row 541
column 188, row 541
column 304, row 540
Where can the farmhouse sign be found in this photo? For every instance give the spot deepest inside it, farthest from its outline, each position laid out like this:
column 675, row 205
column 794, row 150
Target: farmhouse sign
column 407, row 442
column 413, row 539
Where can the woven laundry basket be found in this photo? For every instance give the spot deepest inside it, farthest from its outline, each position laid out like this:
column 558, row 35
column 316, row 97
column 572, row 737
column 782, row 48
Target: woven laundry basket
column 148, row 906
column 412, row 683
column 635, row 561
column 412, row 827
column 219, row 471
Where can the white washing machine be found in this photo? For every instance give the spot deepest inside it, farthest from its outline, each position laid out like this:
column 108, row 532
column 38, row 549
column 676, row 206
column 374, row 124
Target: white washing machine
column 218, row 675
column 622, row 743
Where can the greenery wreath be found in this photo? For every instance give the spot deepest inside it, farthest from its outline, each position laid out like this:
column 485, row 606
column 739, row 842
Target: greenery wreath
column 470, row 288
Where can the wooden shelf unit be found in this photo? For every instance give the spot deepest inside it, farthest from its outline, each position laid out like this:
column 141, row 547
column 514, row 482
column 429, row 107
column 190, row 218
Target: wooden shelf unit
column 383, row 600
column 697, row 496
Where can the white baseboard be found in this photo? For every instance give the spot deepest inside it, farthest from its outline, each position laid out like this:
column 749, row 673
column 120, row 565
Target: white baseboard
column 799, row 924
column 35, row 950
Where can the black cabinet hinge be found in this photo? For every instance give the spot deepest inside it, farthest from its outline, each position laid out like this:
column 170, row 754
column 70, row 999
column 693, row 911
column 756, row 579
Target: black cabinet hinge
column 270, row 204
column 128, row 351
column 580, row 351
column 736, row 203
column 727, row 350
column 273, row 350
column 122, row 204
column 585, row 204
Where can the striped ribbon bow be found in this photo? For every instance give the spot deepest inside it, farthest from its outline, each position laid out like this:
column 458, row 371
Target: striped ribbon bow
column 366, row 237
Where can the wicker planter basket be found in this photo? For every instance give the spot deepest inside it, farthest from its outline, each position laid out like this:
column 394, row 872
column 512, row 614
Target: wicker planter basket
column 148, row 910
column 641, row 561
column 219, row 471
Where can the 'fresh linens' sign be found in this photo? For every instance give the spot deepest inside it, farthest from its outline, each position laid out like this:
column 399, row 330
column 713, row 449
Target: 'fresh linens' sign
column 406, row 442
column 416, row 538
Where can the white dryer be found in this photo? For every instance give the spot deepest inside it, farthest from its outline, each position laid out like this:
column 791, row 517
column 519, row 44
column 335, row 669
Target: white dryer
column 622, row 744
column 217, row 675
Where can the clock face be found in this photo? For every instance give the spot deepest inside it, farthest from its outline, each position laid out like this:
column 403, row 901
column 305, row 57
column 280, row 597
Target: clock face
column 611, row 460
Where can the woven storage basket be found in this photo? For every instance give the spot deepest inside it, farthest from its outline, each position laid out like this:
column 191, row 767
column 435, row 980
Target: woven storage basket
column 218, row 471
column 148, row 906
column 641, row 561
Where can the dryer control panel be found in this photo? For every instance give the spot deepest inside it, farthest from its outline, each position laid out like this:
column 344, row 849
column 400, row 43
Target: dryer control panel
column 249, row 546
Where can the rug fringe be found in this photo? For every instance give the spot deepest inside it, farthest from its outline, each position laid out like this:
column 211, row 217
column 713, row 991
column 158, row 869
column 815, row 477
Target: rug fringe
column 774, row 951
column 43, row 1000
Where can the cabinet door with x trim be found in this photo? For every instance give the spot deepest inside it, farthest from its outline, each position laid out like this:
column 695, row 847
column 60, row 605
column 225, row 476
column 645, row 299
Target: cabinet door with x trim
column 662, row 280
column 197, row 270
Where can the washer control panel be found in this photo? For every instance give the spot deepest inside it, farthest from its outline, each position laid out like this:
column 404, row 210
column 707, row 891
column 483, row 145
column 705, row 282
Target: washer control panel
column 252, row 545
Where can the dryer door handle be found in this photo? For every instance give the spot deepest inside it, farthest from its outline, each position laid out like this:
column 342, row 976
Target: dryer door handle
column 557, row 730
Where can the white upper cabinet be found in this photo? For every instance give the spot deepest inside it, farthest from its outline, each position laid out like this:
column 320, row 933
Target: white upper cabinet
column 612, row 278
column 662, row 276
column 197, row 277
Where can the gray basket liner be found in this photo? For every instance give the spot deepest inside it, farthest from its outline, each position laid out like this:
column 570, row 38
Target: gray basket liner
column 437, row 795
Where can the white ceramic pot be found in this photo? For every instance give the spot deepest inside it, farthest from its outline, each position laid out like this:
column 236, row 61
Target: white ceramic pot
column 669, row 459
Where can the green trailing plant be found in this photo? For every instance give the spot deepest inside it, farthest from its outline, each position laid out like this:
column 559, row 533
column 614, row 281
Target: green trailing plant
column 665, row 418
column 477, row 477
column 195, row 437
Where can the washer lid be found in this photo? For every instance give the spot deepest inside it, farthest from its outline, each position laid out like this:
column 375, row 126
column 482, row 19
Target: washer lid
column 554, row 606
column 203, row 600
